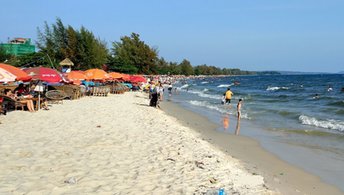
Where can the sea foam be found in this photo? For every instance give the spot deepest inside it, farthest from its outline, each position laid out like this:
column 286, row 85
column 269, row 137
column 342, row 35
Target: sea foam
column 276, row 88
column 223, row 109
column 327, row 124
column 205, row 95
column 224, row 85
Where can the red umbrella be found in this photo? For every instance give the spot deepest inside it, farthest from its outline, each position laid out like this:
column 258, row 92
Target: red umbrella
column 44, row 74
column 137, row 79
column 20, row 74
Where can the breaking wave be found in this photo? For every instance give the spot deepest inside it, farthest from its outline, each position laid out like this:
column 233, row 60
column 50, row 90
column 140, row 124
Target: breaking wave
column 220, row 108
column 276, row 88
column 202, row 94
column 225, row 85
column 184, row 86
column 327, row 124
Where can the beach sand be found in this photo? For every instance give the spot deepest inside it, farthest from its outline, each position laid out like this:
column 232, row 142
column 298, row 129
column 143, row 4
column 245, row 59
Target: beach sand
column 113, row 145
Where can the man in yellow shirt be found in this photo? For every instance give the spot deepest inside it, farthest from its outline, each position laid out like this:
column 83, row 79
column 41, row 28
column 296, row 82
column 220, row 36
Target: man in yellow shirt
column 228, row 95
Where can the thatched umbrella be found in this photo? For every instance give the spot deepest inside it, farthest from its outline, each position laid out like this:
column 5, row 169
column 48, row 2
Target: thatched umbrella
column 66, row 62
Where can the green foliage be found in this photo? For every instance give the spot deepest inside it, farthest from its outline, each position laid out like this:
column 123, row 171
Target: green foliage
column 162, row 66
column 81, row 46
column 34, row 59
column 186, row 68
column 129, row 55
column 134, row 54
column 3, row 55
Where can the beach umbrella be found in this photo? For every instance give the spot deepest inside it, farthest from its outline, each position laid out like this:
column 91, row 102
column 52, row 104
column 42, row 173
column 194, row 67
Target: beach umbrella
column 44, row 74
column 126, row 77
column 96, row 74
column 76, row 77
column 115, row 75
column 137, row 79
column 17, row 72
column 6, row 76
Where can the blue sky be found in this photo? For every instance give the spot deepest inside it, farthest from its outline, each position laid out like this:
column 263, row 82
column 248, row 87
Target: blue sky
column 293, row 35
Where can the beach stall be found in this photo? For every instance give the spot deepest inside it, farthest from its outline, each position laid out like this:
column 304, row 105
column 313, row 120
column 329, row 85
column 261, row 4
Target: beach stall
column 66, row 65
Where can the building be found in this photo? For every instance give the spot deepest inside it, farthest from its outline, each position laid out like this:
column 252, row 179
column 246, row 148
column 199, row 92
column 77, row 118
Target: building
column 18, row 46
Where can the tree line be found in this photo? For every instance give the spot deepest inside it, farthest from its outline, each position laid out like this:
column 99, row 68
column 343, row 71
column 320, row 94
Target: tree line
column 128, row 55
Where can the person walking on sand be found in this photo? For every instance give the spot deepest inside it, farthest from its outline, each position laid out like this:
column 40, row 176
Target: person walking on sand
column 228, row 95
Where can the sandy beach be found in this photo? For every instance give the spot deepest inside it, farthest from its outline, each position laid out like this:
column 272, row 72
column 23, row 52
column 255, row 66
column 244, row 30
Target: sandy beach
column 113, row 145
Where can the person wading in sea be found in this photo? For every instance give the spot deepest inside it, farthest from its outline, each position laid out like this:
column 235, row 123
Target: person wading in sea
column 237, row 129
column 228, row 96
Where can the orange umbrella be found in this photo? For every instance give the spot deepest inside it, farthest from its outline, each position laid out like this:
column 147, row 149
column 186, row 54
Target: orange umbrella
column 76, row 77
column 115, row 75
column 96, row 74
column 126, row 77
column 20, row 74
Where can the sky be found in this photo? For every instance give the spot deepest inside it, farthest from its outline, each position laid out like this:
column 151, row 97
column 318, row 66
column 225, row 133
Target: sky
column 257, row 35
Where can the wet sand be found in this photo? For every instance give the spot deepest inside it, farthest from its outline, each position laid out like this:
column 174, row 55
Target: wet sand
column 278, row 174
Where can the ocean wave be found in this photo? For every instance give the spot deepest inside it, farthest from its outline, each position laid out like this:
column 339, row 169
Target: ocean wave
column 202, row 94
column 338, row 103
column 184, row 86
column 204, row 82
column 220, row 108
column 207, row 105
column 276, row 88
column 205, row 89
column 327, row 124
column 225, row 85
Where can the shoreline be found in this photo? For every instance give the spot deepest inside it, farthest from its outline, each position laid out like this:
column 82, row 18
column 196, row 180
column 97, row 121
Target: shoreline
column 279, row 175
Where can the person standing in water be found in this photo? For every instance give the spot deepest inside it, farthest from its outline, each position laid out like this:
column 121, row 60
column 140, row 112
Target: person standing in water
column 237, row 129
column 228, row 96
column 239, row 108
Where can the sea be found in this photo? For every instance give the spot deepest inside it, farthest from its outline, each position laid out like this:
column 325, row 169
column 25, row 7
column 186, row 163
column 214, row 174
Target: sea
column 299, row 118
